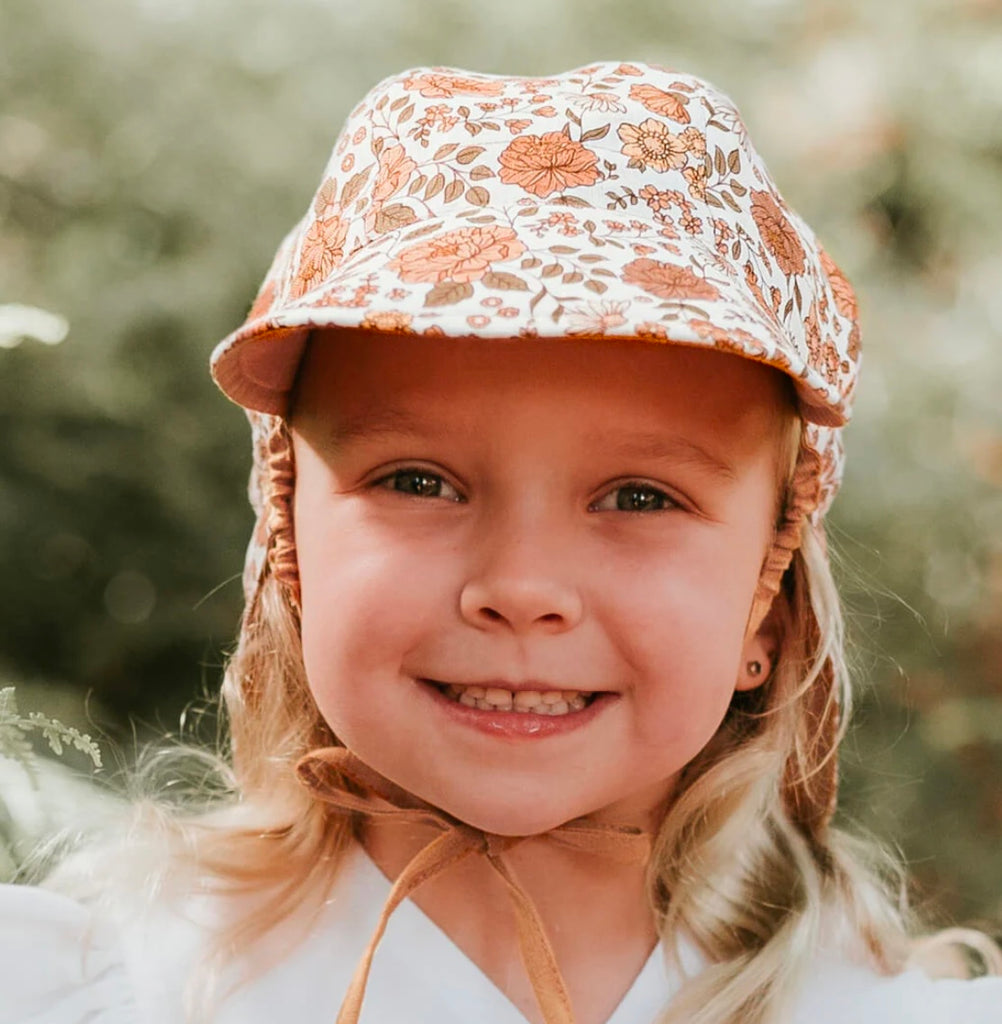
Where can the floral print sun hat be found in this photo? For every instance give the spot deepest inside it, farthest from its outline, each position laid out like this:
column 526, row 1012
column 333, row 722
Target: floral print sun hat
column 614, row 200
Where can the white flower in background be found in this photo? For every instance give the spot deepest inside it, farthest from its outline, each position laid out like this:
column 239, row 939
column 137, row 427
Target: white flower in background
column 18, row 322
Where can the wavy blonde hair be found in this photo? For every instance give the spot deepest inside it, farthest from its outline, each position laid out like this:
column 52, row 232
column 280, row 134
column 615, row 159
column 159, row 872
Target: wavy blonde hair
column 745, row 862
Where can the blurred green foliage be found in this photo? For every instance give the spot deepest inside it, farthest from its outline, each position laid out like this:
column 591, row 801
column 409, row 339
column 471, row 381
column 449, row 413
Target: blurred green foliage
column 153, row 152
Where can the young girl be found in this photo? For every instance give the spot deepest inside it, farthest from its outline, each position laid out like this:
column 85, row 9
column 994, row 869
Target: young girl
column 540, row 683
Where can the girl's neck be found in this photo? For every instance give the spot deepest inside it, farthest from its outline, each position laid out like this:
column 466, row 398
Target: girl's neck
column 595, row 910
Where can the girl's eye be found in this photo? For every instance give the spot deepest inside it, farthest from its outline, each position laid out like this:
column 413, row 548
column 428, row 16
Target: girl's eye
column 635, row 497
column 419, row 483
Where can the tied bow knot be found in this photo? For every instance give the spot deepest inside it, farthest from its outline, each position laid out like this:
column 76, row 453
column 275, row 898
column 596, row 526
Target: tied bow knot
column 339, row 778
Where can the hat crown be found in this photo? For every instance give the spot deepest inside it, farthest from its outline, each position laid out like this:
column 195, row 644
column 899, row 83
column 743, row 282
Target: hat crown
column 430, row 140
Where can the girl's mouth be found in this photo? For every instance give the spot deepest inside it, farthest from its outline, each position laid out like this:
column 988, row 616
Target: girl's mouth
column 552, row 703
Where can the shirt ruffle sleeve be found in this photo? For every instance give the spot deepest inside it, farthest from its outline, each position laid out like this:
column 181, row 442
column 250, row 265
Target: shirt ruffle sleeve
column 838, row 992
column 58, row 963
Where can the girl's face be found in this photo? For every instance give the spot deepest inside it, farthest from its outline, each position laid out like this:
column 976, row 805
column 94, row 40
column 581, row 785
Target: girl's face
column 536, row 518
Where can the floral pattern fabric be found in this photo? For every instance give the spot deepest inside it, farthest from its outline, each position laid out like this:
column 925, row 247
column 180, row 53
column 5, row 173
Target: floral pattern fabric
column 613, row 200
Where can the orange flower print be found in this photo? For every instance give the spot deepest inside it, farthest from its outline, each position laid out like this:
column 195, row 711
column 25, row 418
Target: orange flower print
column 751, row 278
column 655, row 198
column 433, row 84
column 722, row 234
column 465, row 254
column 668, row 229
column 320, row 253
column 658, row 199
column 854, row 338
column 832, row 363
column 694, row 140
column 696, row 176
column 439, row 116
column 535, row 85
column 668, row 281
column 778, row 233
column 657, row 101
column 729, row 337
column 845, row 297
column 596, row 318
column 812, row 336
column 360, row 296
column 824, row 307
column 651, row 331
column 543, row 164
column 395, row 168
column 517, row 124
column 325, row 205
column 390, row 322
column 651, row 144
column 567, row 221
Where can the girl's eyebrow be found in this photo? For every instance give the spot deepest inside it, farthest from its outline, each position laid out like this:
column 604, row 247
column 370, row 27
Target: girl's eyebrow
column 375, row 424
column 391, row 421
column 661, row 447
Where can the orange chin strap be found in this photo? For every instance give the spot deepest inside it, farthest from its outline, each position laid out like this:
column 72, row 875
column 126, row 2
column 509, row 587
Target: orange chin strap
column 332, row 774
column 281, row 472
column 801, row 500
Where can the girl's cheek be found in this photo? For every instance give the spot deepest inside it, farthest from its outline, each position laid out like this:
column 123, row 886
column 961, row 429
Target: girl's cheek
column 359, row 598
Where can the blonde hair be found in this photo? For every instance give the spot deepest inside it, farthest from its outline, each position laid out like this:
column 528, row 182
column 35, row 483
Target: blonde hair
column 745, row 862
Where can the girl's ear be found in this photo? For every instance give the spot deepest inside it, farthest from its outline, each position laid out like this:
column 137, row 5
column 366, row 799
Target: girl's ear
column 760, row 650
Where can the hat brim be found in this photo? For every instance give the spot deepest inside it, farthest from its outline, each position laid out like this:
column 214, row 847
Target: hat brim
column 256, row 365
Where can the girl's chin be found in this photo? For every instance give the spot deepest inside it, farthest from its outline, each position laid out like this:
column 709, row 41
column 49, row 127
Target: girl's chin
column 496, row 818
column 644, row 811
column 515, row 826
column 506, row 820
column 527, row 807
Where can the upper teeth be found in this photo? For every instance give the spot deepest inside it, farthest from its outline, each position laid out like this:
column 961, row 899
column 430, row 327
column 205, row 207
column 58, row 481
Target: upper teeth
column 539, row 702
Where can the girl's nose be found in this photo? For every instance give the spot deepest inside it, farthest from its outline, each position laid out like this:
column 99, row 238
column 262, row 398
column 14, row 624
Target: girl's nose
column 521, row 590
column 520, row 604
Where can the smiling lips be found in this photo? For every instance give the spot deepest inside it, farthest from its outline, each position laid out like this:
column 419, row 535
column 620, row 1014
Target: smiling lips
column 536, row 702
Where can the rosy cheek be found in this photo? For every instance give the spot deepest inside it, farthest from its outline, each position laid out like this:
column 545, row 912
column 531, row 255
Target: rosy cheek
column 364, row 603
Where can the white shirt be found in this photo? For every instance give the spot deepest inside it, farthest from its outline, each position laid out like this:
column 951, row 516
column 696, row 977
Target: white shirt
column 61, row 964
